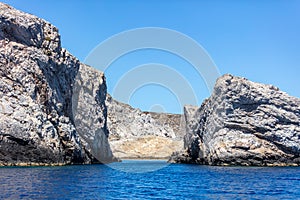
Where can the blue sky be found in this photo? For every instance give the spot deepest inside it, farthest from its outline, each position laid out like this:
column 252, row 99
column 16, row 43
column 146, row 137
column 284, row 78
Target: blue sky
column 259, row 40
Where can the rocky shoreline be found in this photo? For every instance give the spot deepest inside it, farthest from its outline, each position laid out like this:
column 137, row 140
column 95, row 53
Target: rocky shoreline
column 242, row 123
column 38, row 78
column 55, row 110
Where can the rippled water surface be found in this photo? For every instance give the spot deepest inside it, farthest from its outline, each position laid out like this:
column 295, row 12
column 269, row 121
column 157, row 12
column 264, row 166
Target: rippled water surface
column 175, row 181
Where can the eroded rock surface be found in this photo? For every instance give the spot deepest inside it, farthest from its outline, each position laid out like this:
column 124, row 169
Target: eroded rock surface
column 137, row 134
column 36, row 87
column 243, row 123
column 90, row 112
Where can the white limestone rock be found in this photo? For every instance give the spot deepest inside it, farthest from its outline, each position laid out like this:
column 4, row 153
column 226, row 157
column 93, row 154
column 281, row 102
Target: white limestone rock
column 36, row 88
column 131, row 130
column 243, row 123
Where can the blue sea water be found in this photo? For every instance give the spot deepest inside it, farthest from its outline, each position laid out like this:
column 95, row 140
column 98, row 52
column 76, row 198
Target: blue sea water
column 174, row 181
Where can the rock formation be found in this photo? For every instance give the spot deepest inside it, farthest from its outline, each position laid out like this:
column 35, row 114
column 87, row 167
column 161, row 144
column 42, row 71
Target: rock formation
column 137, row 134
column 37, row 78
column 90, row 112
column 243, row 123
column 54, row 110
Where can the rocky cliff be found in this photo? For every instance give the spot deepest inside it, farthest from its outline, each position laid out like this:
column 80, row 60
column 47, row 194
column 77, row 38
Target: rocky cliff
column 37, row 81
column 243, row 123
column 137, row 134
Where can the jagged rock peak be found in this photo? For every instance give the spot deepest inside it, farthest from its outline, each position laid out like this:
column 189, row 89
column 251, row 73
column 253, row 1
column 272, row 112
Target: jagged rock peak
column 243, row 123
column 28, row 29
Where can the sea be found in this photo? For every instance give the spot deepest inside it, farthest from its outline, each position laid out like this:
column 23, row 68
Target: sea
column 149, row 179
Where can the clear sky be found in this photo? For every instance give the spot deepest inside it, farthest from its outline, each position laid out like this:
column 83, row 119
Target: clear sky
column 256, row 39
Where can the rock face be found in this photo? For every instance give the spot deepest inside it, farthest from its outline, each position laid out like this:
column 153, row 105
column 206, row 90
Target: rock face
column 137, row 134
column 90, row 112
column 37, row 79
column 243, row 123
